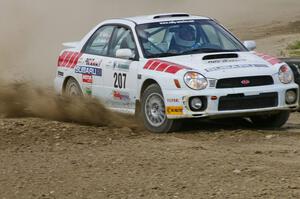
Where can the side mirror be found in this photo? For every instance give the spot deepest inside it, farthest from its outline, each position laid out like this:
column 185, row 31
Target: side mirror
column 250, row 45
column 124, row 53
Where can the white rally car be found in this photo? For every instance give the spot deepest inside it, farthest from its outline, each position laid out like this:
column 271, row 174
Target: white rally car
column 167, row 67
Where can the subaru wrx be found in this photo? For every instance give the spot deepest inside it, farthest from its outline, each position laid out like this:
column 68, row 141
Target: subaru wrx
column 167, row 67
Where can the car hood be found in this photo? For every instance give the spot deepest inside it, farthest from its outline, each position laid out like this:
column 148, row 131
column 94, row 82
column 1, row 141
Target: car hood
column 244, row 64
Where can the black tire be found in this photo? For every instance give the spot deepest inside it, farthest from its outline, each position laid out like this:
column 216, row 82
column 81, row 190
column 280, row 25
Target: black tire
column 294, row 64
column 270, row 121
column 167, row 125
column 72, row 88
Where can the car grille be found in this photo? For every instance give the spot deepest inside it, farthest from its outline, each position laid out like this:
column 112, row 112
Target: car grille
column 241, row 102
column 245, row 82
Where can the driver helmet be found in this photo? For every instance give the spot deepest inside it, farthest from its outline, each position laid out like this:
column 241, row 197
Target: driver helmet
column 185, row 36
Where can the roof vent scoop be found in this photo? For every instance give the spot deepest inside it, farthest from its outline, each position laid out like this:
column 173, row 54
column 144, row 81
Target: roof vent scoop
column 220, row 56
column 159, row 16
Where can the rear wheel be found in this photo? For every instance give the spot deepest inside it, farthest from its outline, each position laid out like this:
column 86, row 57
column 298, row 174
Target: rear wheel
column 72, row 88
column 276, row 120
column 153, row 111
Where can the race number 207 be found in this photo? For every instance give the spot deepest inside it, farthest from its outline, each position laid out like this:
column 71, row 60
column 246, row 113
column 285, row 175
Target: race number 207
column 120, row 80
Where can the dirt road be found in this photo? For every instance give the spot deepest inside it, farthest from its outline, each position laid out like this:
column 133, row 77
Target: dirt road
column 47, row 159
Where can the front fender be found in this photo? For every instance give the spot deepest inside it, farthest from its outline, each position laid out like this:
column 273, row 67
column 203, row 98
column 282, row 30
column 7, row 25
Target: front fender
column 164, row 80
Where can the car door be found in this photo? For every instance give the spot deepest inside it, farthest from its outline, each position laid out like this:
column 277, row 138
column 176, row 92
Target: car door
column 120, row 80
column 91, row 62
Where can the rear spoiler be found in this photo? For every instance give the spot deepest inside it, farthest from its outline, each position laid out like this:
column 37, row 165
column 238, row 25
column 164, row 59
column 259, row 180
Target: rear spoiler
column 71, row 44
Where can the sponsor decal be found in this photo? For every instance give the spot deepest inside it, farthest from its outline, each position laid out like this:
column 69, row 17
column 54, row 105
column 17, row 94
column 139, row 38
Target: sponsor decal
column 177, row 22
column 268, row 58
column 88, row 70
column 121, row 96
column 122, row 66
column 81, row 61
column 120, row 104
column 87, row 79
column 88, row 91
column 164, row 66
column 173, row 100
column 68, row 59
column 60, row 74
column 225, row 61
column 174, row 110
column 92, row 62
column 235, row 67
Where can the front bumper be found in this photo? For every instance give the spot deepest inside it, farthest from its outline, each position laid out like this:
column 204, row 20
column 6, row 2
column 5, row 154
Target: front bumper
column 180, row 98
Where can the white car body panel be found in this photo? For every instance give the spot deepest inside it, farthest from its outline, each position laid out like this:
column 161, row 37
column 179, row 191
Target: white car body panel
column 101, row 85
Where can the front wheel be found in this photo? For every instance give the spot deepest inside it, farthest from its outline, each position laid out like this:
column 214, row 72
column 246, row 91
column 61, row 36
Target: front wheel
column 153, row 111
column 276, row 120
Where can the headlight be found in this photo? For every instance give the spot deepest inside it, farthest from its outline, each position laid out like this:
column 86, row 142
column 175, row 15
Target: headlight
column 285, row 74
column 195, row 80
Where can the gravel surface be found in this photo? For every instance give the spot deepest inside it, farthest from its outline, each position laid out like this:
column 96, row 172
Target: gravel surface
column 219, row 159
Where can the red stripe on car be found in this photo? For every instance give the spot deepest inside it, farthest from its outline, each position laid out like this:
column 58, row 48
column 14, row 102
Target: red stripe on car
column 67, row 58
column 148, row 64
column 268, row 58
column 162, row 67
column 70, row 64
column 87, row 79
column 76, row 60
column 71, row 59
column 61, row 58
column 274, row 61
column 154, row 65
column 173, row 69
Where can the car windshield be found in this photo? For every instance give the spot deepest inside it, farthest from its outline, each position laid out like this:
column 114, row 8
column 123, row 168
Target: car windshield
column 172, row 38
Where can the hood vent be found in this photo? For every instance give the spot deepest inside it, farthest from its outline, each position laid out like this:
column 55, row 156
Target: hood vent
column 221, row 56
column 159, row 16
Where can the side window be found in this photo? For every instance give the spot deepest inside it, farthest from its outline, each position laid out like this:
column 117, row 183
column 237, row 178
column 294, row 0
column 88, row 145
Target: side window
column 98, row 43
column 122, row 39
column 155, row 40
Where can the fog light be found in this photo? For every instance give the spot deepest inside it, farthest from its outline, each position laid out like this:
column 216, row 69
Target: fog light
column 290, row 97
column 196, row 104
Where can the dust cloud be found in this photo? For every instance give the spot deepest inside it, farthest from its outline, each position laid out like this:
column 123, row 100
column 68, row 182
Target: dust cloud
column 22, row 99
